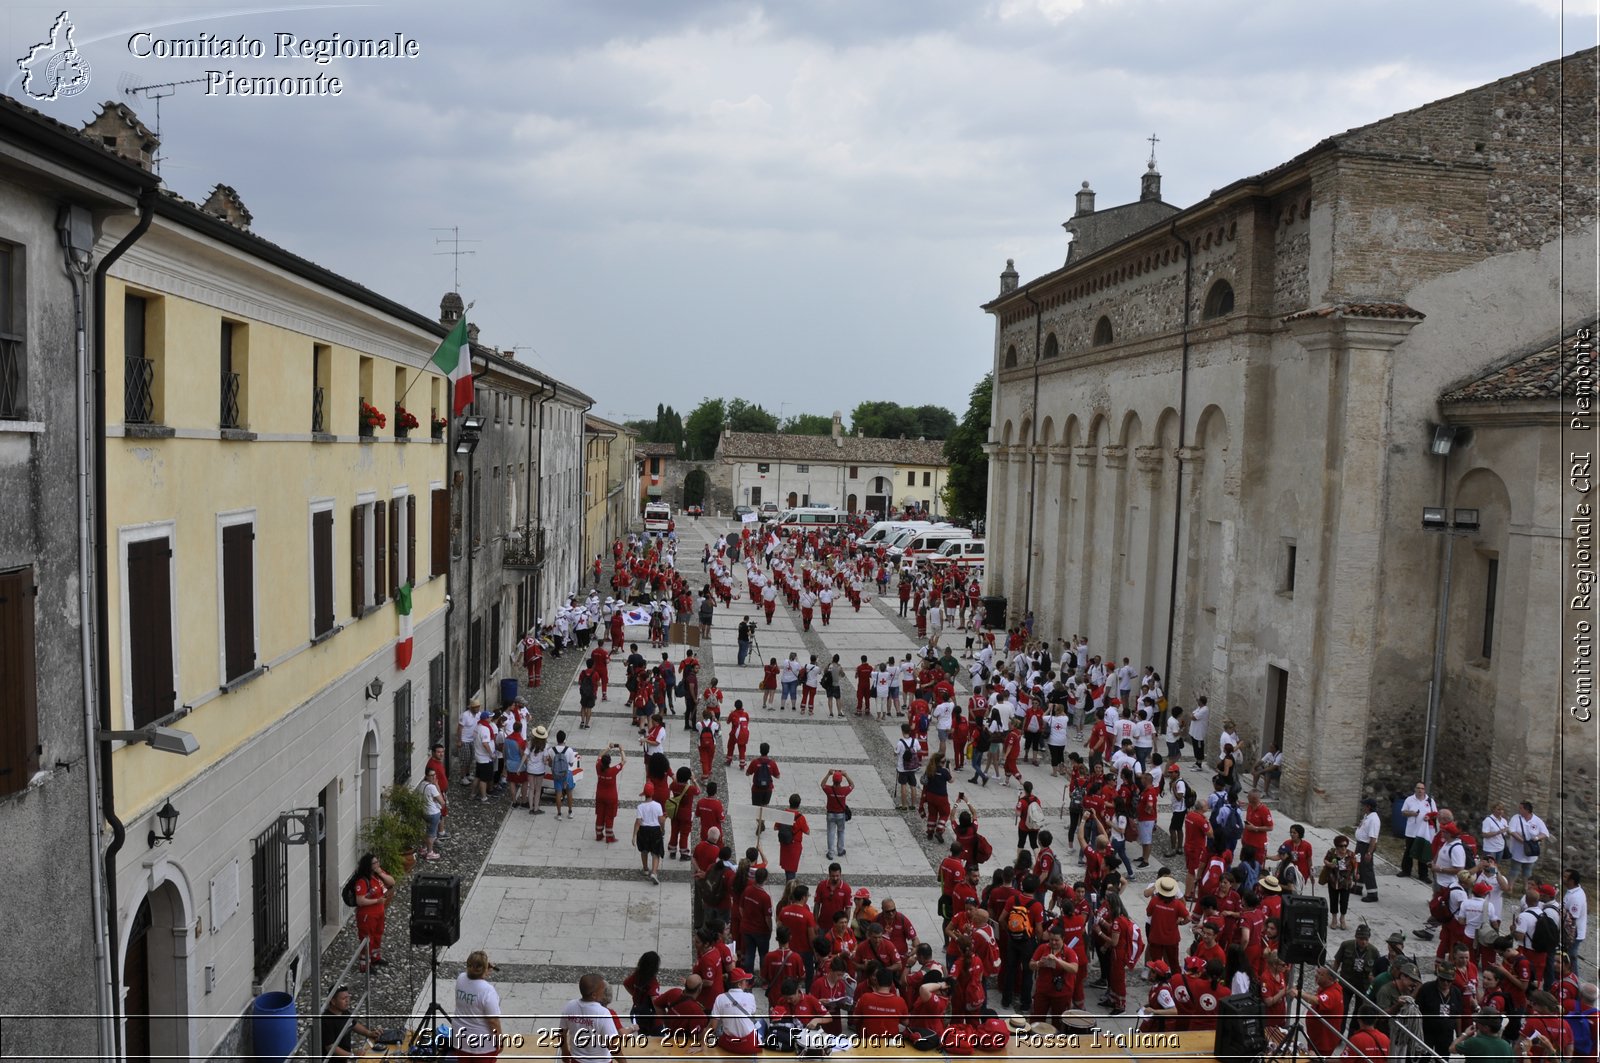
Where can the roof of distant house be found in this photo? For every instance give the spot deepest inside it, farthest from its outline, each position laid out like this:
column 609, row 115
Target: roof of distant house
column 1554, row 370
column 656, row 450
column 856, row 450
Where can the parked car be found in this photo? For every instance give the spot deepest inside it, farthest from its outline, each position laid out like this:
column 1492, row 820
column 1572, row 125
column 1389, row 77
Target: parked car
column 694, row 511
column 740, row 511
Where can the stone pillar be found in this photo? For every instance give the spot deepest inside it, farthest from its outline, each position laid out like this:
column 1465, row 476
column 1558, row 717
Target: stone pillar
column 1329, row 736
column 995, row 563
column 1050, row 535
column 1146, row 601
column 1080, row 539
column 1107, row 538
column 1184, row 682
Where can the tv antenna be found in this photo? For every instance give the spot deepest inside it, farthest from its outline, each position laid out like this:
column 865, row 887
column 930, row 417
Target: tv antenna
column 455, row 252
column 154, row 92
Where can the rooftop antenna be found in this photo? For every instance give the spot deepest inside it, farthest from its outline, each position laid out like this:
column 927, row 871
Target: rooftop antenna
column 1153, row 139
column 455, row 252
column 154, row 92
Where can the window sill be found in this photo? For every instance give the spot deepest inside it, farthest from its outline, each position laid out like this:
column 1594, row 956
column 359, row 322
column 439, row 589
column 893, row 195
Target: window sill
column 402, row 439
column 324, row 437
column 238, row 435
column 147, row 431
column 22, row 428
column 368, row 611
column 234, row 684
column 317, row 640
column 366, row 439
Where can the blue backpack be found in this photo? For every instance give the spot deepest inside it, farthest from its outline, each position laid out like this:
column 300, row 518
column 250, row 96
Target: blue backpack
column 560, row 761
column 513, row 753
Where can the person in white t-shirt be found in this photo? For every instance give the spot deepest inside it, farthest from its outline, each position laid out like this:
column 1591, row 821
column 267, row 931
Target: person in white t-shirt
column 1059, row 724
column 733, row 1012
column 944, row 715
column 468, row 736
column 1528, row 833
column 1420, row 812
column 1197, row 730
column 485, row 745
column 477, row 1028
column 1494, row 832
column 1576, row 904
column 588, row 1032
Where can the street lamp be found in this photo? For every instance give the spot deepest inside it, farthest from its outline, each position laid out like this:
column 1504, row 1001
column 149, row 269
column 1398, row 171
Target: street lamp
column 1462, row 522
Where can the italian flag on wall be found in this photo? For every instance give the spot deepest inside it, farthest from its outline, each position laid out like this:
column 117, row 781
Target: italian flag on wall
column 402, row 648
column 454, row 359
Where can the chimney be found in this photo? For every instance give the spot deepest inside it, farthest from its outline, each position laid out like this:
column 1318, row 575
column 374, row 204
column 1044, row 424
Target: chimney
column 838, row 424
column 451, row 308
column 1008, row 277
column 1150, row 184
column 1085, row 201
column 225, row 203
column 117, row 129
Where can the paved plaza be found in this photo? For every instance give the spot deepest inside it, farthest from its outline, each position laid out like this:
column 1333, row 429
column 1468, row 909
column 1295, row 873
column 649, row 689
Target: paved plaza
column 552, row 903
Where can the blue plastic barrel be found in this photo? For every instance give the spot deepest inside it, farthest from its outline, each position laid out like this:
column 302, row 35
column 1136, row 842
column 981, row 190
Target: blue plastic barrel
column 508, row 690
column 272, row 1026
column 1397, row 816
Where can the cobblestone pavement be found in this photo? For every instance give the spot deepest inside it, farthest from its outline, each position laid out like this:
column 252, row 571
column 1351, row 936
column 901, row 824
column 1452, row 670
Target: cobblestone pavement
column 549, row 903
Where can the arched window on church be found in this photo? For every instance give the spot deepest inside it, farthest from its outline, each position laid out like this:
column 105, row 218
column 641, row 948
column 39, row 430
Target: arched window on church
column 1011, row 357
column 1102, row 332
column 1051, row 347
column 1219, row 300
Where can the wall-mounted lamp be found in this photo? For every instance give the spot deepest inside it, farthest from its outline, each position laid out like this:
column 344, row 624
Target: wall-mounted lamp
column 1446, row 437
column 167, row 818
column 374, row 689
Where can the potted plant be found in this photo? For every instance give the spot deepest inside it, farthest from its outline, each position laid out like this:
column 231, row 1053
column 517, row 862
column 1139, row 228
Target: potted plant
column 439, row 425
column 371, row 418
column 404, row 422
column 396, row 832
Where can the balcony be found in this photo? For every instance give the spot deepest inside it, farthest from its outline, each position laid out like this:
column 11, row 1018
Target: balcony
column 138, row 390
column 523, row 552
column 229, row 414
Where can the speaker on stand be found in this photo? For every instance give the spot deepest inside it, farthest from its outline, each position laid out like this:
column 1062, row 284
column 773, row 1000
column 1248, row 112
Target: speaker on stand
column 435, row 921
column 1303, row 929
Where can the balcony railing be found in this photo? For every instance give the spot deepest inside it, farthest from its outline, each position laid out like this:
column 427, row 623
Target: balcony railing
column 138, row 390
column 318, row 394
column 230, row 400
column 522, row 550
column 11, row 362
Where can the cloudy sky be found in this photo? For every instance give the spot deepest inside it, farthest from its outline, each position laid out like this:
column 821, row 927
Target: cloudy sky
column 799, row 203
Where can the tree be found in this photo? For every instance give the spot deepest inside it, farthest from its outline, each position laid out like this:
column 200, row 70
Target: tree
column 890, row 420
column 703, row 428
column 748, row 417
column 935, row 422
column 966, row 489
column 807, row 424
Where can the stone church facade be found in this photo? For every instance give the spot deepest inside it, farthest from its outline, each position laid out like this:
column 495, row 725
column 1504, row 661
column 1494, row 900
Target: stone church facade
column 1211, row 445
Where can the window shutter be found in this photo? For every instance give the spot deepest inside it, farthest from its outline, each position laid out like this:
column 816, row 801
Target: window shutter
column 238, row 599
column 150, row 629
column 358, row 560
column 411, row 539
column 19, row 705
column 439, row 535
column 380, row 543
column 322, row 571
column 395, row 546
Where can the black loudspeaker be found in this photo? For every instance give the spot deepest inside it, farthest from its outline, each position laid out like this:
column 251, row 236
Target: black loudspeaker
column 994, row 612
column 1241, row 1033
column 1303, row 934
column 435, row 910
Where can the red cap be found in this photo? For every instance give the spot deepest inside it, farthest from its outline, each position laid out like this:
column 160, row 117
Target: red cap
column 1195, row 964
column 741, row 975
column 863, row 894
column 1159, row 969
column 1451, row 828
column 1547, row 890
column 1482, row 889
column 1173, row 768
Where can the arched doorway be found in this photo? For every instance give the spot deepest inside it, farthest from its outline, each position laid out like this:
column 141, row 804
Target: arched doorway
column 155, row 978
column 794, row 500
column 850, row 504
column 694, row 487
column 371, row 772
column 878, row 500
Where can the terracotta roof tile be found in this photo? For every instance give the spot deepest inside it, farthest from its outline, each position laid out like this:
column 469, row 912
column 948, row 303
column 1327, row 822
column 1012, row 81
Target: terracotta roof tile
column 1389, row 310
column 1553, row 371
column 857, row 450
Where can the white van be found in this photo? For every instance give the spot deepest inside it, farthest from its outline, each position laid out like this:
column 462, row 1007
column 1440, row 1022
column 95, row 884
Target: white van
column 963, row 553
column 657, row 517
column 923, row 545
column 885, row 531
column 812, row 517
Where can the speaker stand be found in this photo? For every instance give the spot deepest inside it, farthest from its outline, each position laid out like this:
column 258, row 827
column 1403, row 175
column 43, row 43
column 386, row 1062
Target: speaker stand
column 1291, row 1034
column 434, row 1007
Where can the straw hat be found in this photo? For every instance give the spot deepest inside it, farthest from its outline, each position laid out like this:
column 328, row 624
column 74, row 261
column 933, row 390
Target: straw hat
column 1167, row 887
column 1270, row 884
column 540, row 732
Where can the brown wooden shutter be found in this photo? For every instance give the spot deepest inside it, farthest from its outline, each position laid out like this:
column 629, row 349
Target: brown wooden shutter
column 395, row 546
column 439, row 536
column 380, row 541
column 322, row 571
column 150, row 629
column 411, row 539
column 238, row 599
column 19, row 698
column 358, row 560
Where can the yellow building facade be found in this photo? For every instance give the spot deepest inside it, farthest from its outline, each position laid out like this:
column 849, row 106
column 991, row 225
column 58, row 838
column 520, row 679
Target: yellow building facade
column 611, row 486
column 257, row 536
column 922, row 485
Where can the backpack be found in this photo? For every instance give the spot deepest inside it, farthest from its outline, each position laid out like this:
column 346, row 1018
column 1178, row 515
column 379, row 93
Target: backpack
column 1019, row 922
column 1227, row 824
column 1546, row 936
column 560, row 761
column 513, row 756
column 1439, row 905
column 675, row 802
column 1469, row 846
column 1076, row 799
column 1034, row 817
column 785, row 833
column 763, row 776
column 981, row 849
column 348, row 893
column 908, row 754
column 585, row 684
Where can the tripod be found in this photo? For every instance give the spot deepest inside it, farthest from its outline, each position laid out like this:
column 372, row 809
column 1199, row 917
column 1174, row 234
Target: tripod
column 433, row 1007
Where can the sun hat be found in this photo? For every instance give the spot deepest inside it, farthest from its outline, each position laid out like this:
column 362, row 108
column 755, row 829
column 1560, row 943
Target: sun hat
column 1167, row 887
column 1270, row 884
column 540, row 732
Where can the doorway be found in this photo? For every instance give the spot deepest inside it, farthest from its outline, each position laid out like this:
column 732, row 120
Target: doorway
column 694, row 487
column 155, row 978
column 1277, row 706
column 369, row 771
column 794, row 500
column 850, row 504
column 327, row 855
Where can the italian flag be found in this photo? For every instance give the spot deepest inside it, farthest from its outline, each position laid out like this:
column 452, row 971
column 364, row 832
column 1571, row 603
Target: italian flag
column 402, row 648
column 454, row 359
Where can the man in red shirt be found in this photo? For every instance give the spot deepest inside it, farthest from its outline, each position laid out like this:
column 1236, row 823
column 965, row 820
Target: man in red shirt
column 1327, row 1014
column 832, row 895
column 1149, row 812
column 705, row 854
column 791, row 1003
column 877, row 948
column 897, row 928
column 680, row 1008
column 780, row 965
column 1055, row 970
column 1166, row 912
column 755, row 919
column 863, row 686
column 879, row 1012
column 1257, row 825
column 709, row 812
column 710, row 965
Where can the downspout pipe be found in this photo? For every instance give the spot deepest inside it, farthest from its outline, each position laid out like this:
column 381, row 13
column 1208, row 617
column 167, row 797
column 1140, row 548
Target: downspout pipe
column 538, row 572
column 102, row 610
column 1183, row 438
column 1033, row 447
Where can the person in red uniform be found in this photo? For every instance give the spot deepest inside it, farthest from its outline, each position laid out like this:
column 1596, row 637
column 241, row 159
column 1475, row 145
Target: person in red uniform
column 1203, row 990
column 832, row 989
column 832, row 895
column 372, row 887
column 709, row 812
column 1257, row 824
column 605, row 793
column 683, row 791
column 1161, row 1007
column 1327, row 1014
column 711, row 965
column 533, row 658
column 738, row 732
column 1166, row 912
column 616, row 630
column 680, row 1008
column 795, row 1005
column 600, row 663
column 863, row 686
column 781, row 964
column 1055, row 970
column 789, row 852
column 707, row 747
column 880, row 1011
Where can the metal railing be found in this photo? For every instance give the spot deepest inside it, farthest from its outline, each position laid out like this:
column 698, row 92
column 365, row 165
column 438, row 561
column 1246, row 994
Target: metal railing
column 138, row 390
column 230, row 400
column 11, row 363
column 318, row 396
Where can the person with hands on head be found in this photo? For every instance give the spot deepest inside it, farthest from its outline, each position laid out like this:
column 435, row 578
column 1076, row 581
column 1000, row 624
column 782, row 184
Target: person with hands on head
column 836, row 788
